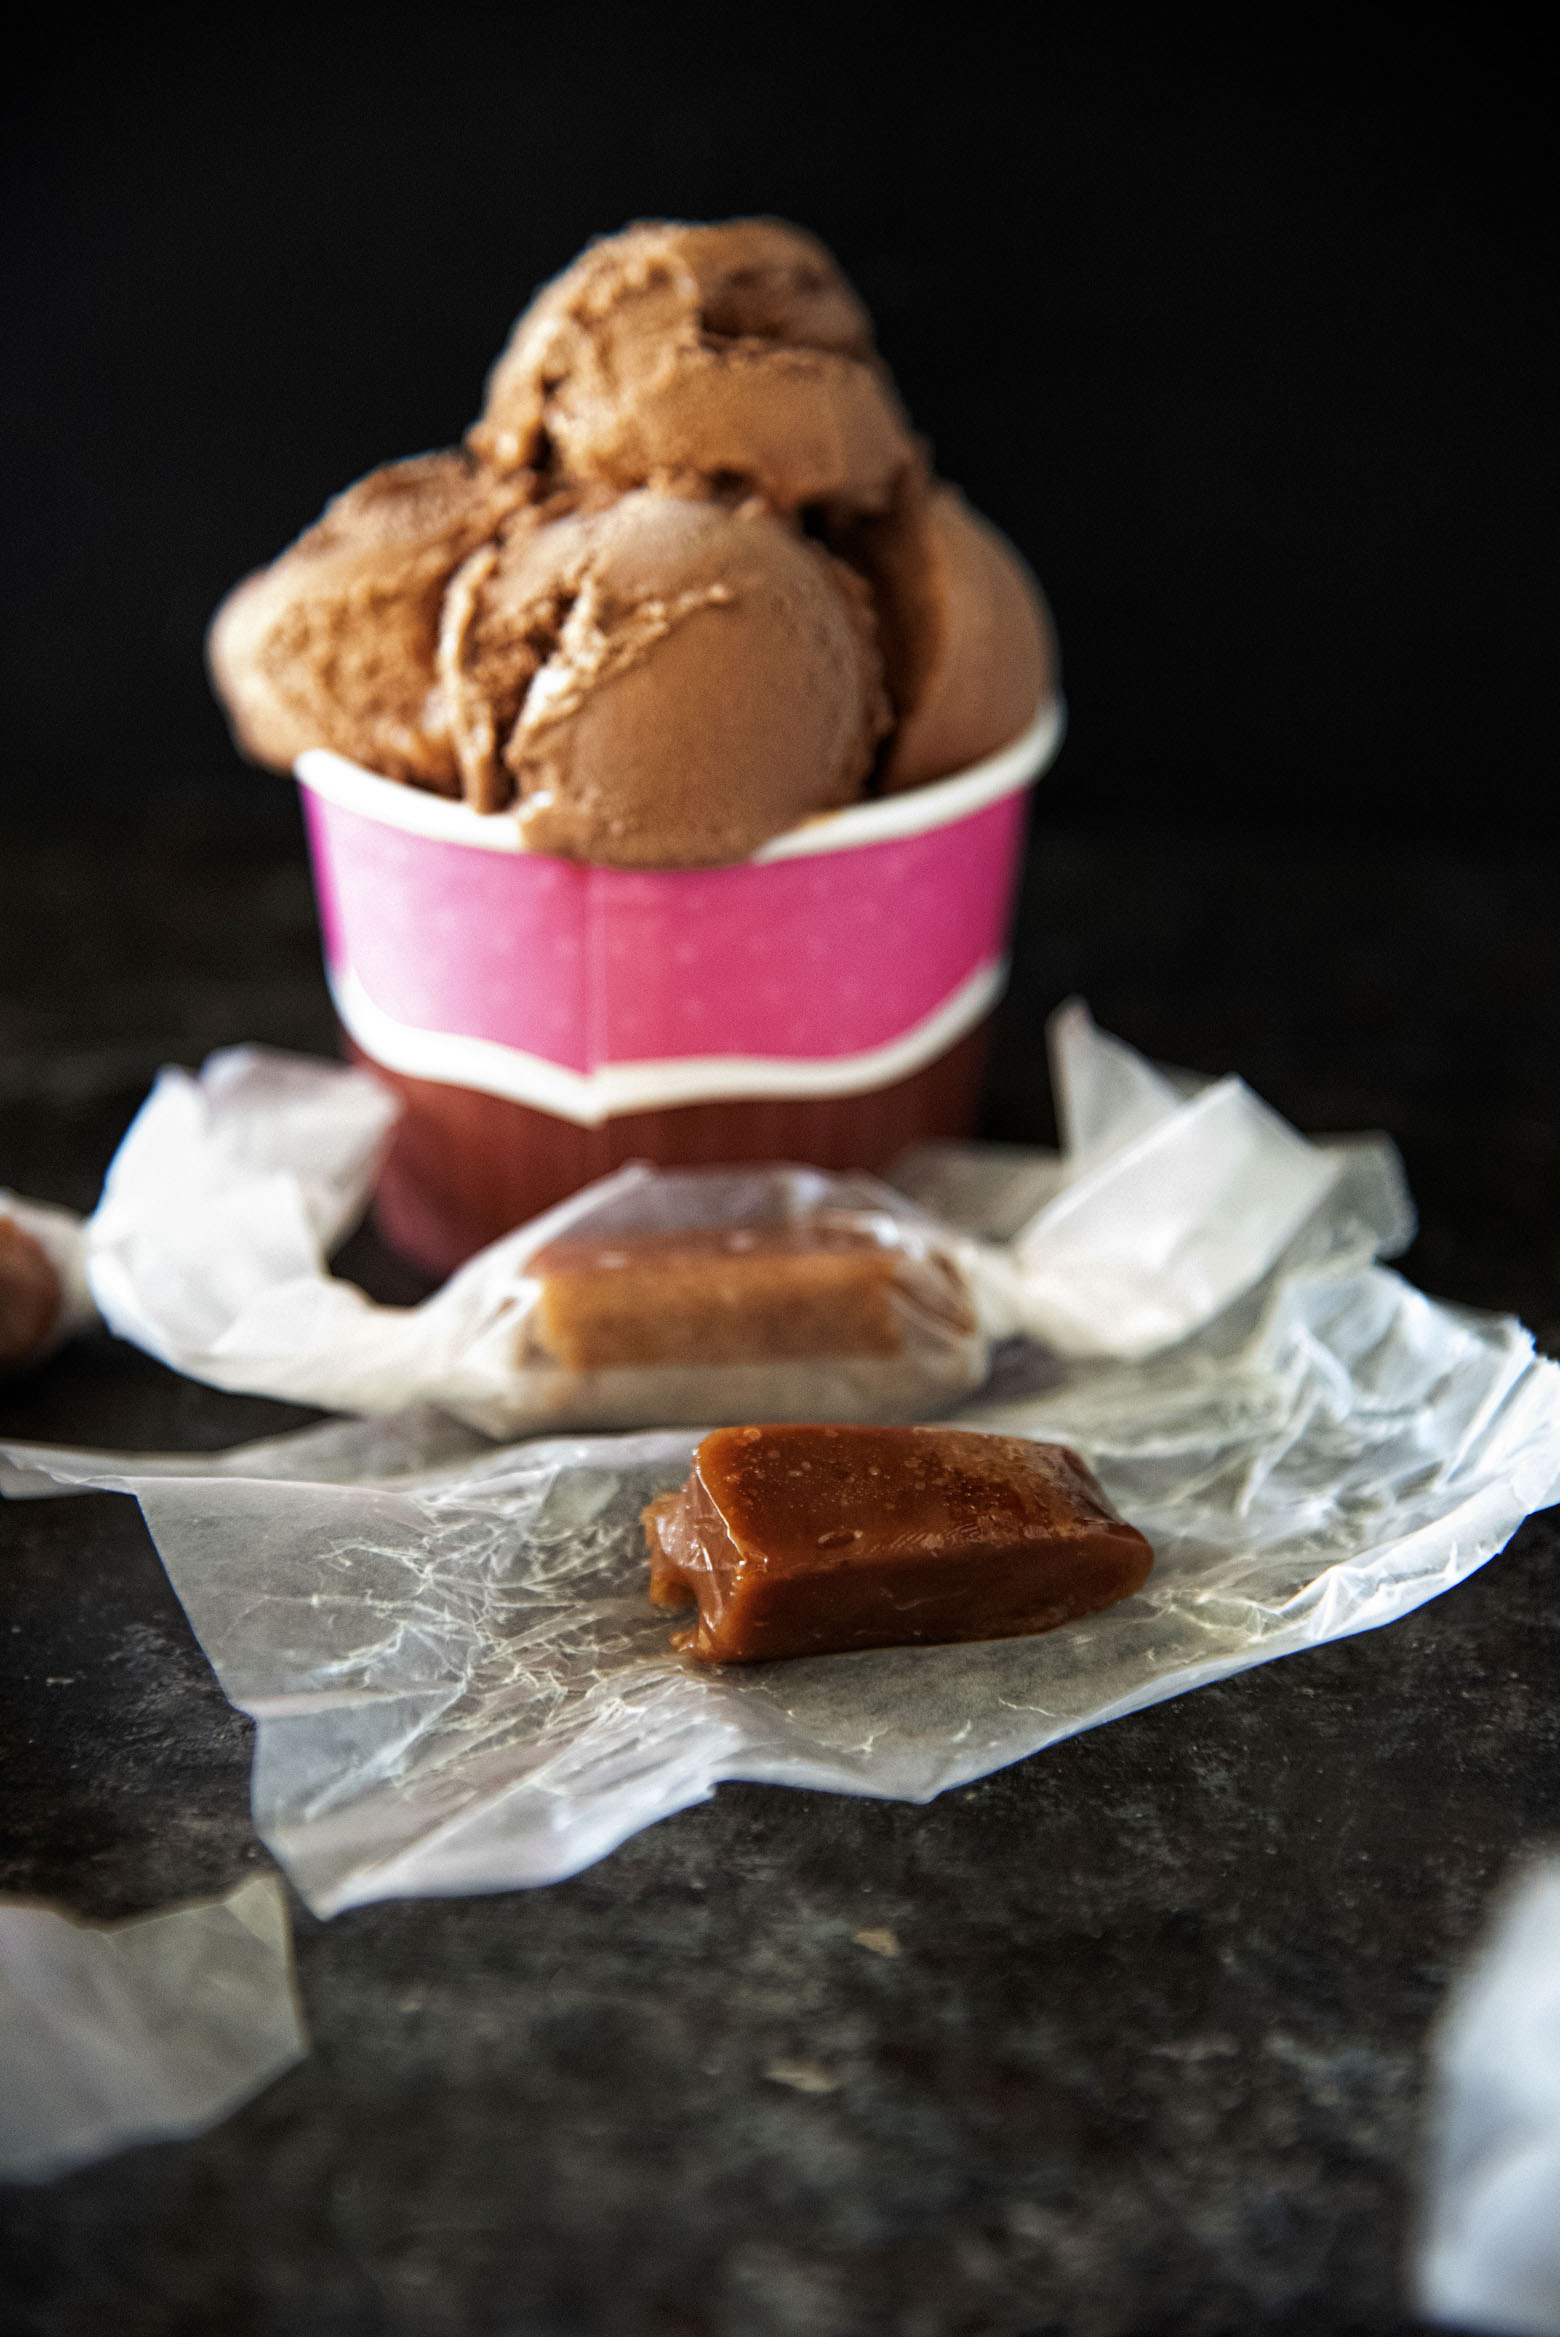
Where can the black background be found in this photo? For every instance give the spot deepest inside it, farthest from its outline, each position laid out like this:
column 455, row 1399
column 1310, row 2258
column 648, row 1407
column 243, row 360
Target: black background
column 1244, row 335
column 1246, row 338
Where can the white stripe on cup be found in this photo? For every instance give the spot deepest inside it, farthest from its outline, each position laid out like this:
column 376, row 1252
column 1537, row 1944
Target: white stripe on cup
column 589, row 1097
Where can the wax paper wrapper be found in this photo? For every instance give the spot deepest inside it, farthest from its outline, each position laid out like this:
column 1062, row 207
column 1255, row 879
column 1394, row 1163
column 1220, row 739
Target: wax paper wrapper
column 1489, row 2251
column 209, row 1249
column 777, row 1293
column 142, row 2031
column 459, row 1685
column 1171, row 1196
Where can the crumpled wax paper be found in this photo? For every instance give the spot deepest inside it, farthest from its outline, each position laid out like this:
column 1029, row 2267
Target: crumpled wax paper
column 459, row 1685
column 142, row 2031
column 1171, row 1195
column 209, row 1246
column 457, row 1679
column 1489, row 2242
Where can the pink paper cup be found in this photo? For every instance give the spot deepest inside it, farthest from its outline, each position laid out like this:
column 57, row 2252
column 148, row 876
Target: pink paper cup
column 544, row 1021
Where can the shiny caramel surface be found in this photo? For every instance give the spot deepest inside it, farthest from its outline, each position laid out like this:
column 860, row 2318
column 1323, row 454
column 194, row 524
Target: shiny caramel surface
column 786, row 1493
column 799, row 1540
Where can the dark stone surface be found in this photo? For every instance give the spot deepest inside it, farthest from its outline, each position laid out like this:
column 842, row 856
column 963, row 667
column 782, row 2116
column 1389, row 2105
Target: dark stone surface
column 1150, row 2055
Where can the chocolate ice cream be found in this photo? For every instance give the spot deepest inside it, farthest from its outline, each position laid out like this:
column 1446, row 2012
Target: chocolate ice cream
column 333, row 644
column 726, row 354
column 967, row 638
column 663, row 683
column 654, row 603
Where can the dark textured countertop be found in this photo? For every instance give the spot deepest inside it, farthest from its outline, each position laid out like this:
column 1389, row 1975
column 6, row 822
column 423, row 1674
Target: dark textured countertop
column 1151, row 2053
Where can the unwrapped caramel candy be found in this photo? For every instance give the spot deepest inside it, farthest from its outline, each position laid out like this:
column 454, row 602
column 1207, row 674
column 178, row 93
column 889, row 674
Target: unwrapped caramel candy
column 31, row 1298
column 737, row 1294
column 814, row 1540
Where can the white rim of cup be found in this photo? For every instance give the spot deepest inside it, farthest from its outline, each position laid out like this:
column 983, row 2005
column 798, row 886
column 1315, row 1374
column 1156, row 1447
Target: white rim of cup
column 914, row 813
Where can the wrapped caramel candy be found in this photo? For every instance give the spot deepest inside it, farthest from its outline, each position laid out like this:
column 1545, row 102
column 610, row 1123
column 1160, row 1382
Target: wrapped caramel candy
column 707, row 1295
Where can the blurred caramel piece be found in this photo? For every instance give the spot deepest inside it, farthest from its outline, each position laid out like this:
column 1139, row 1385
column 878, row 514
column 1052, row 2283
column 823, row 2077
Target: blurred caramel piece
column 740, row 1294
column 811, row 1541
column 30, row 1297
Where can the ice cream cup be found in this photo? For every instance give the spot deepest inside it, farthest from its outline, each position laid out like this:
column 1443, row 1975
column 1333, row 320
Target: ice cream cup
column 544, row 1021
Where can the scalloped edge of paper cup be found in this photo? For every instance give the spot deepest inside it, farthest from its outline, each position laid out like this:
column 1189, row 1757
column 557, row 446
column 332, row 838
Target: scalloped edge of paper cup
column 912, row 812
column 806, row 971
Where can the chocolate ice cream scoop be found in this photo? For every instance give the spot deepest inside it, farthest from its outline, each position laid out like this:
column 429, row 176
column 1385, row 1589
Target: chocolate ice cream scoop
column 968, row 643
column 664, row 683
column 690, row 571
column 333, row 644
column 732, row 353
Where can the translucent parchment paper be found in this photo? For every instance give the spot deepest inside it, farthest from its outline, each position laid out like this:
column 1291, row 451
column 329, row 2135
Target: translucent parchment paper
column 1170, row 1197
column 458, row 1683
column 141, row 2031
column 1489, row 2255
